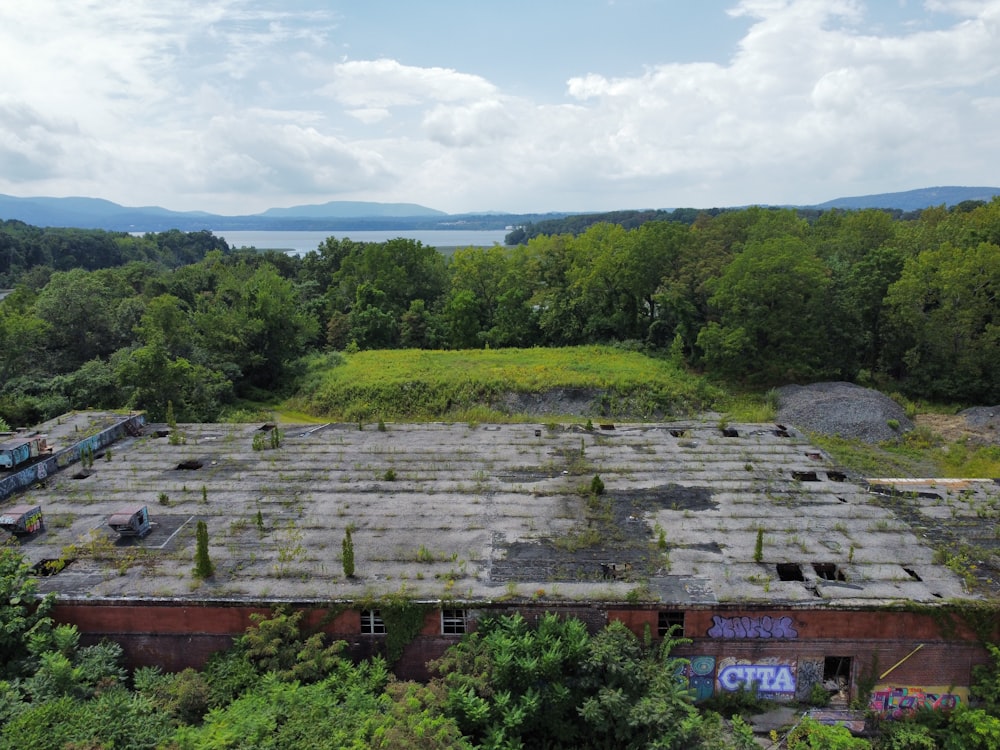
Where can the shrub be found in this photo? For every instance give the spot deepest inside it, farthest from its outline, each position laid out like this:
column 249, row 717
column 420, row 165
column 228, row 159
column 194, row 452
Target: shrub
column 347, row 553
column 203, row 567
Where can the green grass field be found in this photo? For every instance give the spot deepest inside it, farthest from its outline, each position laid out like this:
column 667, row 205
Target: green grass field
column 462, row 385
column 468, row 386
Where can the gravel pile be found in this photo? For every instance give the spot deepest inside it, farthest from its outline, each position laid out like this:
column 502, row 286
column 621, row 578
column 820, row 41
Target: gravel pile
column 841, row 409
column 987, row 417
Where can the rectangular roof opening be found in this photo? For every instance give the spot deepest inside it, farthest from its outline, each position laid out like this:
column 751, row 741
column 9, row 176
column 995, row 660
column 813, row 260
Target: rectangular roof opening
column 829, row 572
column 790, row 572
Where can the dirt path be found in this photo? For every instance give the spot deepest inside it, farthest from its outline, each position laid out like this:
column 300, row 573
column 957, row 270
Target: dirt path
column 955, row 427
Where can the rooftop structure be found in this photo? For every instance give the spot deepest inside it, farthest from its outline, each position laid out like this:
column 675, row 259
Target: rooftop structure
column 689, row 516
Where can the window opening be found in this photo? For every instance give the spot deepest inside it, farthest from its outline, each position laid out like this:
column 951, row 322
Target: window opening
column 790, row 572
column 837, row 669
column 667, row 620
column 454, row 621
column 371, row 622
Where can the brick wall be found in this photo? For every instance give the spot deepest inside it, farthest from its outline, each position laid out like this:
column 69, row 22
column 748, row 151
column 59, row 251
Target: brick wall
column 178, row 636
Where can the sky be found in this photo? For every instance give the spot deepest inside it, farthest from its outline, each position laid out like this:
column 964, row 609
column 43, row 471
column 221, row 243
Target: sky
column 236, row 106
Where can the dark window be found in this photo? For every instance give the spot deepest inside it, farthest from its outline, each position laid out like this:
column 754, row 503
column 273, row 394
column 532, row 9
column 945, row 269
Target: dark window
column 837, row 669
column 454, row 621
column 371, row 622
column 667, row 620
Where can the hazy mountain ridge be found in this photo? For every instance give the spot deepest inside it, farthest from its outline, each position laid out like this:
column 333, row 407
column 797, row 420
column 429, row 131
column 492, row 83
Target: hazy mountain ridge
column 98, row 213
column 914, row 200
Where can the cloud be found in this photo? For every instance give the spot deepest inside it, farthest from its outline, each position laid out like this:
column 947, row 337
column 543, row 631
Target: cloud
column 806, row 95
column 283, row 158
column 223, row 104
column 480, row 123
column 369, row 115
column 388, row 83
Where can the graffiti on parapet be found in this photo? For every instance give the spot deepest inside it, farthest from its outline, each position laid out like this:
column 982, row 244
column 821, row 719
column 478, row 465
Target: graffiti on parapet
column 764, row 626
column 770, row 677
column 897, row 702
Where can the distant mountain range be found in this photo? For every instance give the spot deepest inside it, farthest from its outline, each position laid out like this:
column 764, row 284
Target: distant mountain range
column 96, row 213
column 914, row 200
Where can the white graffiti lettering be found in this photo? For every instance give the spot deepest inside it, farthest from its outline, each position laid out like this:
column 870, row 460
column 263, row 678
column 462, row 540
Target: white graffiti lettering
column 769, row 678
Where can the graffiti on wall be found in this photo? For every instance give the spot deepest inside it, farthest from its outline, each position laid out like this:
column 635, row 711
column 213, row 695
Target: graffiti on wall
column 699, row 673
column 43, row 469
column 773, row 678
column 809, row 673
column 896, row 702
column 764, row 626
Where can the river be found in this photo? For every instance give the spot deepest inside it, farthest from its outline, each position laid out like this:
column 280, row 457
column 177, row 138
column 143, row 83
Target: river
column 303, row 242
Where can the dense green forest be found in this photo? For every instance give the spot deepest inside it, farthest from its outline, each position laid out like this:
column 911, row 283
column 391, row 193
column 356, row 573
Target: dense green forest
column 756, row 297
column 507, row 685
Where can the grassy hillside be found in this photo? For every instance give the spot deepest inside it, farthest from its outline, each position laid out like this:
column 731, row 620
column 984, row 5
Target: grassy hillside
column 484, row 384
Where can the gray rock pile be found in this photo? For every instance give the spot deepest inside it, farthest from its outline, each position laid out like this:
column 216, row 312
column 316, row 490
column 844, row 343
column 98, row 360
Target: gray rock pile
column 842, row 409
column 983, row 417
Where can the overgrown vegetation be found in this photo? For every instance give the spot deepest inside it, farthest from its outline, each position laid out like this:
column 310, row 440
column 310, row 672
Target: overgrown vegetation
column 918, row 453
column 414, row 384
column 507, row 684
column 755, row 297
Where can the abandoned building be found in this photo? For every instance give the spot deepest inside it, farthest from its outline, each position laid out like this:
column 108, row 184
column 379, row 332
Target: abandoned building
column 780, row 570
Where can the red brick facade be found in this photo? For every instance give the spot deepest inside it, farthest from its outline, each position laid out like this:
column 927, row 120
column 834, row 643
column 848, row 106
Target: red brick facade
column 790, row 650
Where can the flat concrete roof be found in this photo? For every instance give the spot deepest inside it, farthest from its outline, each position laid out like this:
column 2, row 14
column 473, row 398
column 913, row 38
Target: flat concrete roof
column 488, row 512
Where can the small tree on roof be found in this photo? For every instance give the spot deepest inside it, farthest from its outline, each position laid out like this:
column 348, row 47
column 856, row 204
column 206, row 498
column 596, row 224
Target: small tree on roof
column 203, row 567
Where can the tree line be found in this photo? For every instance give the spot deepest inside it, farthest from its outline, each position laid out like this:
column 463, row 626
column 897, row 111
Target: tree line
column 755, row 296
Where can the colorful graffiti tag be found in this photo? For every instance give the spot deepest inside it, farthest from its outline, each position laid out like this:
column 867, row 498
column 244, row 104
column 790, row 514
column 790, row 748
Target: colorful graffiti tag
column 773, row 678
column 753, row 627
column 895, row 702
column 700, row 676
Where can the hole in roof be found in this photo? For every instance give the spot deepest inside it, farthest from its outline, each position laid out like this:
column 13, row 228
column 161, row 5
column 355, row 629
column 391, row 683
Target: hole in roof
column 805, row 476
column 781, row 432
column 190, row 465
column 790, row 572
column 81, row 475
column 836, row 476
column 912, row 574
column 50, row 566
column 842, row 499
column 730, row 432
column 607, row 426
column 678, row 433
column 814, row 455
column 829, row 572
